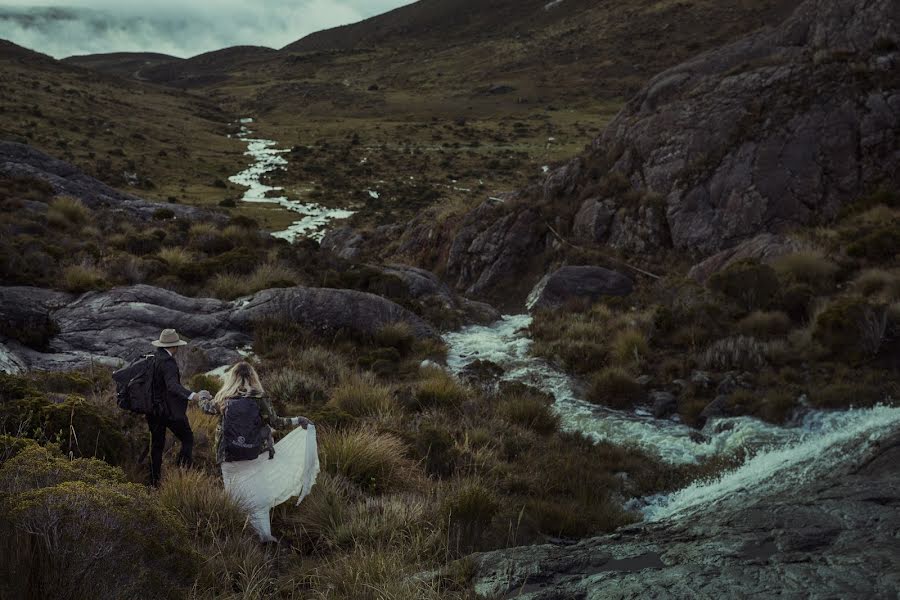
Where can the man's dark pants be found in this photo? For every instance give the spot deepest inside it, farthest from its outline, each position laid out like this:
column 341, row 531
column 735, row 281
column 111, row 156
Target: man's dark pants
column 182, row 430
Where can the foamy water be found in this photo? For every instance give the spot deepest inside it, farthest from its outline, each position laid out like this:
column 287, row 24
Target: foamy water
column 782, row 454
column 267, row 159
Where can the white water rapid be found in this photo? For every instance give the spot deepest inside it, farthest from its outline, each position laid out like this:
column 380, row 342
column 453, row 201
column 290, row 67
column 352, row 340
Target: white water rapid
column 798, row 450
column 266, row 159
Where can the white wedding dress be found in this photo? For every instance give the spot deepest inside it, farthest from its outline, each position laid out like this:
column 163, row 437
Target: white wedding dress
column 262, row 484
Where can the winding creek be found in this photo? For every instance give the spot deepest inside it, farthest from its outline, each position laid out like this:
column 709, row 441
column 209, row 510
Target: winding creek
column 267, row 158
column 780, row 455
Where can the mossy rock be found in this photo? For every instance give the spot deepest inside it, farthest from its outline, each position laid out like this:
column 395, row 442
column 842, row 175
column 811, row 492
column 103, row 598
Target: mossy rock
column 751, row 284
column 851, row 327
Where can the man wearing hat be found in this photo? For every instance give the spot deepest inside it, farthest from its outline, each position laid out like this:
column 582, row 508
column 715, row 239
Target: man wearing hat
column 175, row 398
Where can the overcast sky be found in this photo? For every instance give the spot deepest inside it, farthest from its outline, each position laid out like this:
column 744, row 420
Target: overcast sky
column 182, row 28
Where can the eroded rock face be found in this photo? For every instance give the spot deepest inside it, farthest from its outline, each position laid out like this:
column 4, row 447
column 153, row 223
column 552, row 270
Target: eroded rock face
column 826, row 529
column 106, row 327
column 577, row 283
column 20, row 160
column 774, row 131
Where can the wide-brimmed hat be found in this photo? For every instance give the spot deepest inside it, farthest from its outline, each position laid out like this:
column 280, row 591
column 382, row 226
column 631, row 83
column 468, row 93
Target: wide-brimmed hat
column 168, row 339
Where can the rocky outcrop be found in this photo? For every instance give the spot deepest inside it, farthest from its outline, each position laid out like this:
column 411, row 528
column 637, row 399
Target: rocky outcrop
column 20, row 160
column 765, row 248
column 577, row 283
column 494, row 246
column 821, row 525
column 107, row 327
column 345, row 242
column 774, row 131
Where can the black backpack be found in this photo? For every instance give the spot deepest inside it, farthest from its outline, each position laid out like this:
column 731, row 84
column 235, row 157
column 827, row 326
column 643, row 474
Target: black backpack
column 244, row 435
column 135, row 387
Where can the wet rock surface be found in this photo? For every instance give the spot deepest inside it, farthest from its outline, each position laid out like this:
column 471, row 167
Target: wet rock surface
column 578, row 283
column 106, row 327
column 20, row 160
column 831, row 534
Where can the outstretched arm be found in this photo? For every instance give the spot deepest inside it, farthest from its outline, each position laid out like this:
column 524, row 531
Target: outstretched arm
column 280, row 422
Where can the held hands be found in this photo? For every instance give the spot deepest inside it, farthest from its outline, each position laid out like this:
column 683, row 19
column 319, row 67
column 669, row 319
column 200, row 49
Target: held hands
column 204, row 395
column 302, row 422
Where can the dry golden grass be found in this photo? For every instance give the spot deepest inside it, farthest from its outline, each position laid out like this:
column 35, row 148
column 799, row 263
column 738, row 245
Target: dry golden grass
column 373, row 461
column 362, row 396
column 176, row 257
column 629, row 346
column 83, row 278
column 440, row 389
column 65, row 211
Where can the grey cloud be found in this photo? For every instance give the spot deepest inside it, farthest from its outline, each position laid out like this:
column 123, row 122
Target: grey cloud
column 172, row 27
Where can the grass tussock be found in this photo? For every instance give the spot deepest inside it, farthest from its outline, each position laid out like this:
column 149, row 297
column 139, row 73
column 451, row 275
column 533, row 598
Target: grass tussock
column 375, row 462
column 65, row 211
column 765, row 324
column 529, row 411
column 810, row 267
column 440, row 389
column 614, row 387
column 229, row 286
column 363, row 396
column 83, row 278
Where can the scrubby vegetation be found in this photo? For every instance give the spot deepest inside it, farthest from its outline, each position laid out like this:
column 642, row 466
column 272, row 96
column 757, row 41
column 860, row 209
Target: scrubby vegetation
column 813, row 328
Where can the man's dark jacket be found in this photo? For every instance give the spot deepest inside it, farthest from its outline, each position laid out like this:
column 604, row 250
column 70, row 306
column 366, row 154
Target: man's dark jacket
column 168, row 385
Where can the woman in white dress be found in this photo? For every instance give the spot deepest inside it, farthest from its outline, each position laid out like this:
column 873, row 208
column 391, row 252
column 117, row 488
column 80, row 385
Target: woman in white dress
column 256, row 472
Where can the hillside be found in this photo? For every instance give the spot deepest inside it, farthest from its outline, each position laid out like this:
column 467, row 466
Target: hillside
column 122, row 64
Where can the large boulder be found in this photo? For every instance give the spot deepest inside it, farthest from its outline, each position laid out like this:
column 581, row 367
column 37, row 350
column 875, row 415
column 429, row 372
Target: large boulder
column 771, row 132
column 115, row 325
column 577, row 283
column 21, row 160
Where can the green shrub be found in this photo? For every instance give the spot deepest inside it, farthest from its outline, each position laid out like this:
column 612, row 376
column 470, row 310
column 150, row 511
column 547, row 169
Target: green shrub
column 66, row 522
column 10, row 446
column 845, row 395
column 202, row 381
column 296, row 386
column 629, row 346
column 315, row 523
column 751, row 284
column 851, row 327
column 796, row 300
column 882, row 244
column 762, row 324
column 373, row 461
column 615, row 388
column 398, row 335
column 163, row 214
column 810, row 267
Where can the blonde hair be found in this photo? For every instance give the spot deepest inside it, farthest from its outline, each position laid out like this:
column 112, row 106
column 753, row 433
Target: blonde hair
column 240, row 380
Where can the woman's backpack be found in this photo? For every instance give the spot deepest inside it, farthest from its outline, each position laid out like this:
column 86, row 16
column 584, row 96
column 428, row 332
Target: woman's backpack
column 244, row 434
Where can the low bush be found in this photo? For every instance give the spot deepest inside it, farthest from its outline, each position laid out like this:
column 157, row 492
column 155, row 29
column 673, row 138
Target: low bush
column 436, row 449
column 295, row 386
column 469, row 507
column 373, row 461
column 880, row 245
column 202, row 381
column 810, row 267
column 740, row 352
column 399, row 336
column 615, row 388
column 851, row 327
column 751, row 284
column 529, row 411
column 66, row 522
column 880, row 283
column 65, row 211
column 202, row 503
column 845, row 395
column 629, row 346
column 764, row 324
column 439, row 389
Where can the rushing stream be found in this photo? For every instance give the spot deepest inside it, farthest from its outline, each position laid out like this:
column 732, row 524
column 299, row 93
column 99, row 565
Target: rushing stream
column 801, row 449
column 267, row 159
